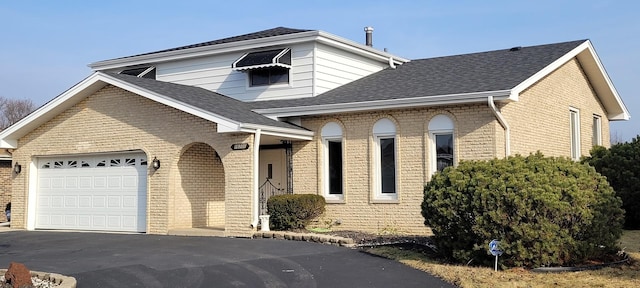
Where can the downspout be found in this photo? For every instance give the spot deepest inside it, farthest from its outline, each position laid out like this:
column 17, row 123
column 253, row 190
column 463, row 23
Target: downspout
column 256, row 181
column 503, row 123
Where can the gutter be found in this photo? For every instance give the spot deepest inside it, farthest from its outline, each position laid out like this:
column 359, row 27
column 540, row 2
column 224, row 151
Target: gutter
column 503, row 123
column 256, row 181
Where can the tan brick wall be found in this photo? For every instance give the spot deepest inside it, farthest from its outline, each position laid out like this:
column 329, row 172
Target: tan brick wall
column 113, row 120
column 199, row 194
column 6, row 173
column 474, row 139
column 540, row 119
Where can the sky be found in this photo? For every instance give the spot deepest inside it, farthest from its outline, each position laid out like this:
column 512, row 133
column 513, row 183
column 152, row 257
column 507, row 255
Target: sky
column 45, row 46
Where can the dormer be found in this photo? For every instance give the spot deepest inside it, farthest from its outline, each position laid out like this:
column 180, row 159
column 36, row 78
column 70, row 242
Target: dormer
column 279, row 63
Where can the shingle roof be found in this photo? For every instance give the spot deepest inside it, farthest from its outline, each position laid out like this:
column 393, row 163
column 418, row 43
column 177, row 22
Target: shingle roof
column 207, row 100
column 467, row 73
column 278, row 31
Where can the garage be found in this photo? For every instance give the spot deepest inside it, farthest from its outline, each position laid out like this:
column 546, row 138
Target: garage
column 105, row 192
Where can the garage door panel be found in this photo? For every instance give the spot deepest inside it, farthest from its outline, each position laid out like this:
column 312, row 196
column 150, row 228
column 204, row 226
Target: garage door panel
column 114, row 202
column 84, row 201
column 70, row 202
column 106, row 192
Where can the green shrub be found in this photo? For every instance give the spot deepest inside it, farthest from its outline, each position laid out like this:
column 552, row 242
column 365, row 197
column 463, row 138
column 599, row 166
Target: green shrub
column 621, row 165
column 545, row 211
column 294, row 211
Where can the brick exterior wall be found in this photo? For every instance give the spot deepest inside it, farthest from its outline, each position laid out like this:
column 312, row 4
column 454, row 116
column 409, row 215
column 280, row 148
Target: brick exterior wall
column 186, row 191
column 475, row 130
column 198, row 200
column 112, row 120
column 6, row 173
column 540, row 119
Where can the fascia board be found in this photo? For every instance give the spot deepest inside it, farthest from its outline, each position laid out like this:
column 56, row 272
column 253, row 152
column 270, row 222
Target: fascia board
column 589, row 60
column 205, row 50
column 546, row 71
column 343, row 43
column 277, row 131
column 9, row 137
column 281, row 40
column 599, row 78
column 451, row 99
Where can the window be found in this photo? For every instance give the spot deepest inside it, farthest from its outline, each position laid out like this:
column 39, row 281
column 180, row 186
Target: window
column 442, row 150
column 332, row 164
column 268, row 76
column 384, row 133
column 574, row 124
column 265, row 67
column 597, row 130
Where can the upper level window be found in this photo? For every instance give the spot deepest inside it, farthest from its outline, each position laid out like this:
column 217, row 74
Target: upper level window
column 442, row 150
column 265, row 67
column 574, row 126
column 384, row 133
column 332, row 161
column 268, row 76
column 597, row 130
column 142, row 72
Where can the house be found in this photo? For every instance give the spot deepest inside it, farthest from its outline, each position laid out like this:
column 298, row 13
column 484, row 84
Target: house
column 201, row 135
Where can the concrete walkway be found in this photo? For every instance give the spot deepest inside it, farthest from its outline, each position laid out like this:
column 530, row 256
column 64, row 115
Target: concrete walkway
column 140, row 260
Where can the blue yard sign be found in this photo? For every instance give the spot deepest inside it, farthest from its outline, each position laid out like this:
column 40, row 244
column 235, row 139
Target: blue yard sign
column 494, row 248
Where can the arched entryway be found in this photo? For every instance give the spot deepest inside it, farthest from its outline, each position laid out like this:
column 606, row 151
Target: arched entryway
column 199, row 194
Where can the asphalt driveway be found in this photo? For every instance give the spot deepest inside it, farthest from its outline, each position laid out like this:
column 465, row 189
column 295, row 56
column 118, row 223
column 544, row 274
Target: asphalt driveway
column 128, row 260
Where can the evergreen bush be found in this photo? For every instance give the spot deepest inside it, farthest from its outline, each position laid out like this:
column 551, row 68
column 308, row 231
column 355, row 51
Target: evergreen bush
column 621, row 165
column 545, row 211
column 294, row 211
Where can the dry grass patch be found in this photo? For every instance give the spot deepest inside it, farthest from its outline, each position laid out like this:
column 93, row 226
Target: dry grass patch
column 626, row 275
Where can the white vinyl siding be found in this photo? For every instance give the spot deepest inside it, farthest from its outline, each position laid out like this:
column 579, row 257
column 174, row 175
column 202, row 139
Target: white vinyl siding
column 574, row 124
column 335, row 68
column 214, row 73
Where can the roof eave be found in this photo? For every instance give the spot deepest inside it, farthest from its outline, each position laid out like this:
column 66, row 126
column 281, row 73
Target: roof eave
column 244, row 45
column 597, row 75
column 9, row 137
column 426, row 101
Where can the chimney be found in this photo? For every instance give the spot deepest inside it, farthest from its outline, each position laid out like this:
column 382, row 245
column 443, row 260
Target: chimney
column 369, row 31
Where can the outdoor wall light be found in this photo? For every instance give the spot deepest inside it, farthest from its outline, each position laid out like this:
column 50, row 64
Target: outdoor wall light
column 17, row 168
column 155, row 163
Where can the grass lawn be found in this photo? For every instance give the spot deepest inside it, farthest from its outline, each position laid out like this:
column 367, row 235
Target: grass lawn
column 463, row 276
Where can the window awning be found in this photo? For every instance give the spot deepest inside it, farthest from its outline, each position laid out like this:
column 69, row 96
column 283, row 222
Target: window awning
column 263, row 59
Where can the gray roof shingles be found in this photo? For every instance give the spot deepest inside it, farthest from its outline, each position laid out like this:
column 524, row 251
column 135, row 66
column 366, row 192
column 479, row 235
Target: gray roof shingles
column 467, row 73
column 278, row 31
column 204, row 99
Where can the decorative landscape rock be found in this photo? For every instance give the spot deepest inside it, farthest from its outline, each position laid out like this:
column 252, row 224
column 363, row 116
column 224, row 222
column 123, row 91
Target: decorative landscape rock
column 18, row 276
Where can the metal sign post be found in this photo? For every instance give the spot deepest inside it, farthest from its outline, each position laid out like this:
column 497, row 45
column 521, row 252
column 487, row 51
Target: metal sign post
column 495, row 251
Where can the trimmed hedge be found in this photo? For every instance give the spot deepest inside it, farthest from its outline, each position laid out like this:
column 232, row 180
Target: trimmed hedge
column 294, row 211
column 545, row 211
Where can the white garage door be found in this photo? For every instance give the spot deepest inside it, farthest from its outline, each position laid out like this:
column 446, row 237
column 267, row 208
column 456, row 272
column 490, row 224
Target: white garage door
column 92, row 192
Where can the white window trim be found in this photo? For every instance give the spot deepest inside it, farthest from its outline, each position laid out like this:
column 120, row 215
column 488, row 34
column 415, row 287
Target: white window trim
column 575, row 134
column 384, row 129
column 378, row 165
column 249, row 87
column 433, row 154
column 325, row 164
column 597, row 119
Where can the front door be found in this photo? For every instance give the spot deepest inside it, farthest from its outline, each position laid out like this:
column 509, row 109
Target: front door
column 272, row 167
